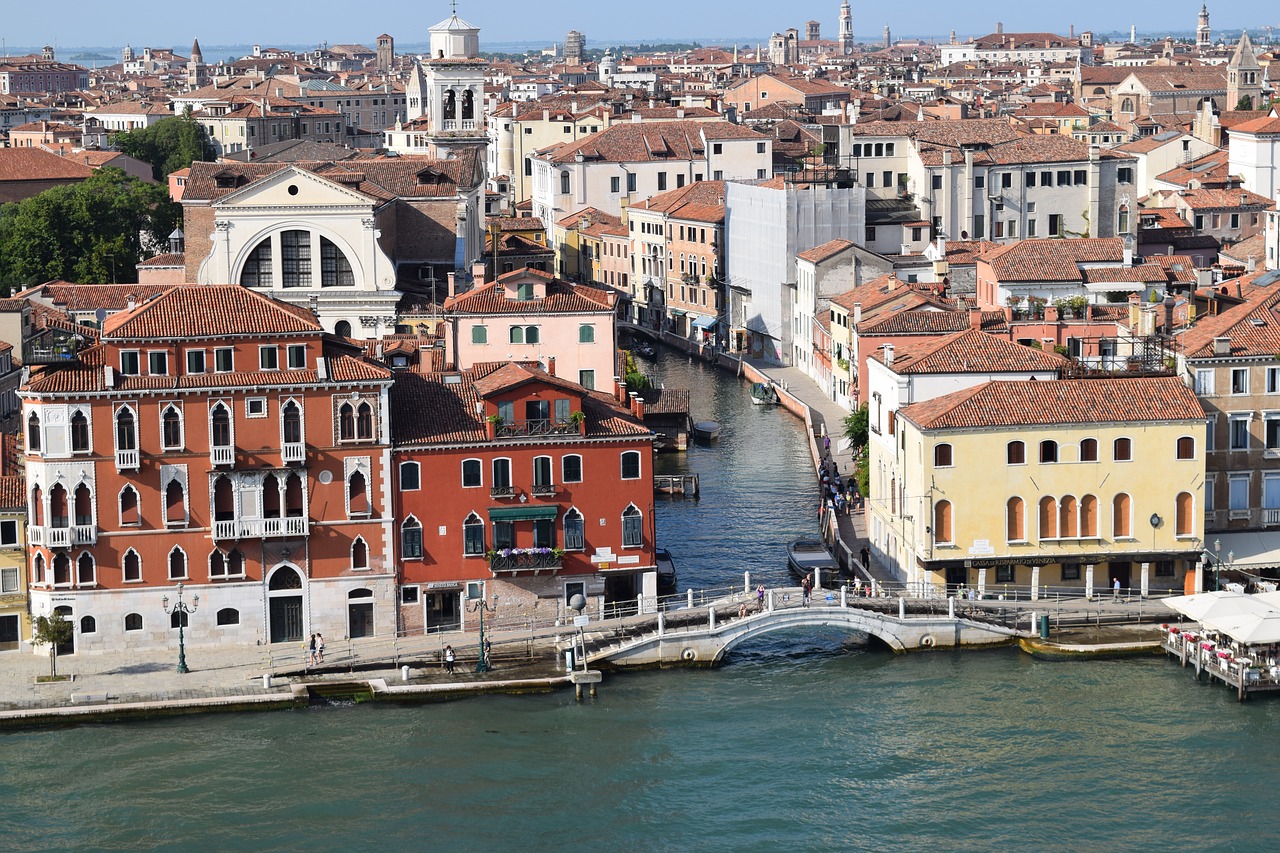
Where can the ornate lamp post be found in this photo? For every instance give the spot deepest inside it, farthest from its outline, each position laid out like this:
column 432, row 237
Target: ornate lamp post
column 479, row 605
column 182, row 609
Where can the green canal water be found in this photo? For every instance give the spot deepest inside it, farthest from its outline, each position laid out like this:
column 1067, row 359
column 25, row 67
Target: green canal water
column 800, row 742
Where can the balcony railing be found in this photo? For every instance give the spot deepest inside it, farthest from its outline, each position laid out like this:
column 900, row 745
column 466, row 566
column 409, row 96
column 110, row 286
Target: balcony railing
column 525, row 561
column 53, row 346
column 57, row 537
column 284, row 527
column 543, row 489
column 539, row 426
column 84, row 534
column 1271, row 517
column 260, row 528
column 222, row 454
column 502, row 492
column 293, row 451
column 127, row 460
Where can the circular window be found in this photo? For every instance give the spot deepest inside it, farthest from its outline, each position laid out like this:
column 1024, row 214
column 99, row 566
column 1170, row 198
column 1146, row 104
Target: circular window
column 326, row 477
column 293, row 189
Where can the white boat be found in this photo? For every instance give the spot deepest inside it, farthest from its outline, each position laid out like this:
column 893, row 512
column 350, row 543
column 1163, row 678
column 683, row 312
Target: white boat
column 805, row 556
column 764, row 394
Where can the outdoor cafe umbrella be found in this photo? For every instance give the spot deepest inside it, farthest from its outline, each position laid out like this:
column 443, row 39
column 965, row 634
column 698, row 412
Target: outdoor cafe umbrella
column 1220, row 603
column 1250, row 629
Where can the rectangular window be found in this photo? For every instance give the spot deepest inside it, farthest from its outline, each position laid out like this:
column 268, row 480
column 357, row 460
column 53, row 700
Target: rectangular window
column 1055, row 224
column 935, row 182
column 269, row 358
column 9, row 534
column 571, row 468
column 1071, row 571
column 195, row 361
column 615, row 185
column 631, row 182
column 1079, row 177
column 1004, row 574
column 1239, row 434
column 1211, row 433
column 1031, row 228
column 129, row 362
column 1031, row 179
column 471, row 474
column 587, row 379
column 224, row 359
column 1239, row 380
column 9, row 582
column 662, row 181
column 1204, row 383
column 1273, row 380
column 979, row 227
column 1270, row 491
column 158, row 363
column 1006, row 180
column 1238, row 492
column 295, row 258
column 255, row 407
column 1124, row 175
column 979, row 182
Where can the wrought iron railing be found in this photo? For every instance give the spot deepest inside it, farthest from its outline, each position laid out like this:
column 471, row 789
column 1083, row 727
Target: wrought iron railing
column 525, row 561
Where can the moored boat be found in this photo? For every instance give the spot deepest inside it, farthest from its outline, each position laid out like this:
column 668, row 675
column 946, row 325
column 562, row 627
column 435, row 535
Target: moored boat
column 666, row 571
column 706, row 430
column 764, row 394
column 806, row 556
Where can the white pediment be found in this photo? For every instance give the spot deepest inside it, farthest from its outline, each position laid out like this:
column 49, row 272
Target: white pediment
column 294, row 187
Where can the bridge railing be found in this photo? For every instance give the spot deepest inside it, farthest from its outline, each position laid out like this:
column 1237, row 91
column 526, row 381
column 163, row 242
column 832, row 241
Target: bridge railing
column 1024, row 592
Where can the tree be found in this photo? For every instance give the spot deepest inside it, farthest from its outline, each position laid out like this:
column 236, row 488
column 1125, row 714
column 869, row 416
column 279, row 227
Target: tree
column 52, row 631
column 168, row 145
column 1245, row 103
column 93, row 231
column 856, row 429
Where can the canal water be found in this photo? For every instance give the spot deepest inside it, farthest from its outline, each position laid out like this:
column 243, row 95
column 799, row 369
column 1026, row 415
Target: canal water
column 797, row 743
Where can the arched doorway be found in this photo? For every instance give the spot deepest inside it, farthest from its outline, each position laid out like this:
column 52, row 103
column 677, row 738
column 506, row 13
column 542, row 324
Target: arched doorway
column 360, row 613
column 284, row 608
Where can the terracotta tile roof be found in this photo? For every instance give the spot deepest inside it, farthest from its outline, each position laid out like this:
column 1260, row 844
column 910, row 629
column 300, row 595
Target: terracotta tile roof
column 970, row 351
column 1180, row 78
column 1253, row 326
column 348, row 368
column 209, row 310
column 666, row 401
column 1205, row 198
column 634, row 142
column 1062, row 401
column 513, row 223
column 35, row 164
column 1212, row 168
column 169, row 259
column 514, row 374
column 826, row 251
column 1261, row 126
column 1146, row 273
column 89, row 297
column 928, row 322
column 1179, row 269
column 701, row 201
column 562, row 298
column 13, row 492
column 1052, row 260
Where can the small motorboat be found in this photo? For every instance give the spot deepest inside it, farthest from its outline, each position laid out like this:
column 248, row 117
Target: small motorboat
column 764, row 394
column 666, row 571
column 805, row 556
column 644, row 351
column 706, row 430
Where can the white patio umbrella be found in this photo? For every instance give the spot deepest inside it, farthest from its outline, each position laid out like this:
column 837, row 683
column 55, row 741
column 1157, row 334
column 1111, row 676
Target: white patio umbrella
column 1220, row 603
column 1251, row 629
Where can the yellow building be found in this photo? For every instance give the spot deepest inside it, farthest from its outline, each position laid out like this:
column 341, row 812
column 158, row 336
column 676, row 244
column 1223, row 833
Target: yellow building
column 1071, row 484
column 15, row 617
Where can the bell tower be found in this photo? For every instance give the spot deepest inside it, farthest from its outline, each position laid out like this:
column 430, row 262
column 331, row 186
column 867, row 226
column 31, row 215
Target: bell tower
column 452, row 86
column 1244, row 76
column 1204, row 36
column 846, row 28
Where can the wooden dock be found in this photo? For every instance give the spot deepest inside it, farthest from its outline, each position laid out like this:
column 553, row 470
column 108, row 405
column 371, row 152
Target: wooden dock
column 681, row 485
column 1244, row 675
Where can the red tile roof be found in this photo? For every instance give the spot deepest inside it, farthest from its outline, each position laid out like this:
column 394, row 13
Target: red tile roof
column 192, row 311
column 634, row 142
column 970, row 351
column 88, row 297
column 562, row 298
column 1052, row 260
column 1253, row 326
column 827, row 250
column 35, row 164
column 1063, row 401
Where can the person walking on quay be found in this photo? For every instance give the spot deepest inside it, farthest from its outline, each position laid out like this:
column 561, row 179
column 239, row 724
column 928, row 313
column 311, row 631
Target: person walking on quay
column 866, row 558
column 449, row 658
column 488, row 654
column 319, row 647
column 806, row 587
column 311, row 652
column 1115, row 589
column 760, row 598
column 826, row 443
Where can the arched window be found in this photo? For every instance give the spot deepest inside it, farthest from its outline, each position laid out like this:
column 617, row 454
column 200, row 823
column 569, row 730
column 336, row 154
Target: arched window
column 632, row 527
column 291, row 423
column 359, row 554
column 364, row 422
column 1016, row 453
column 1089, row 517
column 411, row 539
column 942, row 522
column 177, row 564
column 468, row 104
column 293, row 497
column 83, row 505
column 88, row 625
column 217, row 565
column 1186, row 447
column 79, row 433
column 586, row 334
column 175, row 510
column 133, row 622
column 942, row 456
column 516, row 335
column 1122, row 450
column 131, row 566
column 33, row 433
column 410, row 476
column 271, row 496
column 86, row 571
column 1122, row 219
column 342, row 329
column 1048, row 451
column 220, row 426
column 37, row 569
column 1015, row 523
column 228, row 565
column 295, row 258
column 574, row 531
column 472, row 536
column 171, row 428
column 1048, row 518
column 335, row 269
column 1126, row 105
column 346, row 422
column 1121, row 516
column 228, row 616
column 532, row 335
column 126, row 430
column 224, row 500
column 357, row 494
column 61, row 570
column 631, row 465
column 58, row 511
column 1184, row 521
column 37, row 506
column 1069, row 518
column 571, row 468
column 257, row 268
column 450, row 104
column 1089, row 450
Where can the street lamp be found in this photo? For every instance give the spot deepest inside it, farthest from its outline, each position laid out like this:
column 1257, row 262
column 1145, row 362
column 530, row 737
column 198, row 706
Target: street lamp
column 182, row 609
column 479, row 605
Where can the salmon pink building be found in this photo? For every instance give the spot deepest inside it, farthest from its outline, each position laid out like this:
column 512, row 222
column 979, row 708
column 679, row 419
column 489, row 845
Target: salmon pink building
column 216, row 438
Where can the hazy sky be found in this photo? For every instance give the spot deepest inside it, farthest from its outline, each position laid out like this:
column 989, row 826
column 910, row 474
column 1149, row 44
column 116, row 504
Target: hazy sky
column 74, row 23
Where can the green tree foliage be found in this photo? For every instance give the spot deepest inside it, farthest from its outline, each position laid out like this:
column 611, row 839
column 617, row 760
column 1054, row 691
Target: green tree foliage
column 168, row 145
column 91, row 232
column 855, row 428
column 1245, row 103
column 52, row 631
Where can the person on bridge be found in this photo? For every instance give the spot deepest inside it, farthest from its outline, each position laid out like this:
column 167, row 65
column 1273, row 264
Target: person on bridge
column 866, row 558
column 760, row 598
column 807, row 587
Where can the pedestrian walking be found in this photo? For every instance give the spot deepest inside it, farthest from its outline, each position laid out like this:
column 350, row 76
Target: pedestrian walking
column 449, row 658
column 826, row 443
column 311, row 652
column 866, row 557
column 760, row 598
column 488, row 654
column 1115, row 589
column 319, row 647
column 806, row 587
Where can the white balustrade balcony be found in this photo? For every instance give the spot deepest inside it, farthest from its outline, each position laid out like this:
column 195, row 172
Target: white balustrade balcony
column 294, row 451
column 84, row 534
column 128, row 460
column 222, row 454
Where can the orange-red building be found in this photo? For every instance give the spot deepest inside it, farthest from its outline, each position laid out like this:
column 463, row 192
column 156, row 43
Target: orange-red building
column 216, row 438
column 513, row 482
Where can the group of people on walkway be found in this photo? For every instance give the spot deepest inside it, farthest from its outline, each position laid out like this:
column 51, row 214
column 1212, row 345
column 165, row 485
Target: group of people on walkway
column 315, row 651
column 838, row 494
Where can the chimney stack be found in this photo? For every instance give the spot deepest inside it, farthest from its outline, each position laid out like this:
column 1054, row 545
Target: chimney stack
column 477, row 274
column 888, row 354
column 857, row 313
column 975, row 318
column 1222, row 346
column 551, row 365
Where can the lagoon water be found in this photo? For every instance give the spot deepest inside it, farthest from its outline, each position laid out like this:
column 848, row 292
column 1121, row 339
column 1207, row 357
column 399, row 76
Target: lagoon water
column 800, row 742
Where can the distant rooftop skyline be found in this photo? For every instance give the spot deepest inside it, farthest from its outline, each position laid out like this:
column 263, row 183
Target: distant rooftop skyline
column 152, row 23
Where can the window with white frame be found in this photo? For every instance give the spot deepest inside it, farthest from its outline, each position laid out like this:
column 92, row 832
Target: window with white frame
column 410, row 477
column 1238, row 492
column 9, row 533
column 1239, row 432
column 269, row 358
column 411, row 539
column 158, row 363
column 177, row 564
column 195, row 361
column 632, row 527
column 1271, row 430
column 571, row 468
column 472, row 478
column 574, row 531
column 631, row 465
column 1204, row 383
column 473, row 536
column 297, row 356
column 1239, row 380
column 171, row 427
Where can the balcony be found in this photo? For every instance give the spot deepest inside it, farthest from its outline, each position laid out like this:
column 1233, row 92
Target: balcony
column 222, row 455
column 537, row 427
column 294, row 451
column 502, row 492
column 1271, row 517
column 57, row 537
column 542, row 490
column 276, row 527
column 526, row 560
column 128, row 460
column 52, row 346
column 260, row 528
column 84, row 534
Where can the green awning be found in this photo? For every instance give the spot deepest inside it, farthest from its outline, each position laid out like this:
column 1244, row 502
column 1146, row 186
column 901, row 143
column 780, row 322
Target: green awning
column 522, row 513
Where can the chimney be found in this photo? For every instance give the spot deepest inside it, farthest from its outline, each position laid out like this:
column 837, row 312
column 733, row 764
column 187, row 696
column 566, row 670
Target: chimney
column 1128, row 253
column 477, row 274
column 551, row 365
column 1135, row 308
column 453, row 284
column 1168, row 304
column 131, row 302
column 975, row 318
column 1222, row 346
column 1051, row 313
column 857, row 313
column 637, row 405
column 888, row 354
column 619, row 389
column 635, row 117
